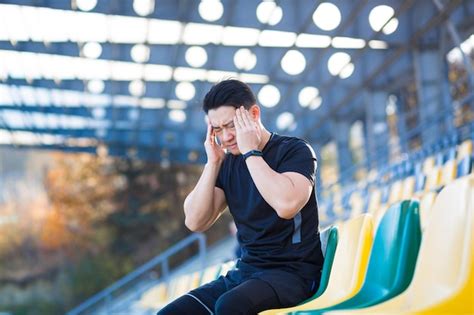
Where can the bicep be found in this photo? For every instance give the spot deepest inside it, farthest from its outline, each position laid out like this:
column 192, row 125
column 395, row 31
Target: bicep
column 302, row 188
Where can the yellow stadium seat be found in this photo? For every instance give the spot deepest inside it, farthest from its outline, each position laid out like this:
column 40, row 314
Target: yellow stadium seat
column 426, row 202
column 442, row 283
column 428, row 165
column 465, row 149
column 433, row 179
column 182, row 286
column 349, row 265
column 449, row 172
column 210, row 274
column 408, row 188
column 194, row 281
column 395, row 192
column 464, row 158
column 155, row 297
column 357, row 204
column 375, row 198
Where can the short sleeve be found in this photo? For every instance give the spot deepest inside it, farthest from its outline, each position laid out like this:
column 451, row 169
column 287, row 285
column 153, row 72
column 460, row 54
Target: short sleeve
column 299, row 157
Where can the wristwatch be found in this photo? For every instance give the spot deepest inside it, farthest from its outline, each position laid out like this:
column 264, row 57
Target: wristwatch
column 252, row 152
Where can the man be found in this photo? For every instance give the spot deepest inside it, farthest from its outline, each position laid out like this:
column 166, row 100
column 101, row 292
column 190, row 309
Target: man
column 267, row 181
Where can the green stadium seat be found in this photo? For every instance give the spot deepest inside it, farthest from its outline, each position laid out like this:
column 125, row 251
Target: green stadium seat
column 349, row 266
column 442, row 282
column 392, row 259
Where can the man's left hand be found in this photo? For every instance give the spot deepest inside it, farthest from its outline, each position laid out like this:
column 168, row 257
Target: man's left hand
column 248, row 131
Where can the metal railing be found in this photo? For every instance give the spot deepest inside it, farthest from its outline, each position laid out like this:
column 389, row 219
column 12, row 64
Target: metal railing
column 106, row 295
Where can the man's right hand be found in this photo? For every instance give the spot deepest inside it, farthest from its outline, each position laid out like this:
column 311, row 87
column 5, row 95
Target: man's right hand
column 215, row 152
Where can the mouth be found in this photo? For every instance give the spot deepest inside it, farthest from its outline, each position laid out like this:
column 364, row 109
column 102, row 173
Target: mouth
column 233, row 146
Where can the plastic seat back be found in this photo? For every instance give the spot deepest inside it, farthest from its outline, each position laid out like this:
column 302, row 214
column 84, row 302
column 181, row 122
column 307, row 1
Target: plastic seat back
column 426, row 203
column 461, row 301
column 209, row 274
column 408, row 187
column 465, row 158
column 395, row 192
column 393, row 257
column 447, row 244
column 329, row 237
column 349, row 265
column 442, row 269
column 357, row 204
column 154, row 298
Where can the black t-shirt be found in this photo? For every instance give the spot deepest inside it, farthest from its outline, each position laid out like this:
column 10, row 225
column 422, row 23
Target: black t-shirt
column 267, row 240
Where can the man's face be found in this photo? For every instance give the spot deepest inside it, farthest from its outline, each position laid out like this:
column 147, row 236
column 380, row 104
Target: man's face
column 222, row 123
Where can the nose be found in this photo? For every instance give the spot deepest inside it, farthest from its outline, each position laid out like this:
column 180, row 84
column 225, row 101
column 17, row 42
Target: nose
column 226, row 135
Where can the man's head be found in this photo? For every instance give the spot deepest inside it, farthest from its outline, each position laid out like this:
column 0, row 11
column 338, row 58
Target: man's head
column 220, row 104
column 229, row 93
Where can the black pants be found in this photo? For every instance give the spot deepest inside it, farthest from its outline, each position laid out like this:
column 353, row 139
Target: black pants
column 242, row 292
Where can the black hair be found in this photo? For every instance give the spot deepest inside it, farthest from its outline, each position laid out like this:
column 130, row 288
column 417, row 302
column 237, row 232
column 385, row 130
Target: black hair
column 229, row 92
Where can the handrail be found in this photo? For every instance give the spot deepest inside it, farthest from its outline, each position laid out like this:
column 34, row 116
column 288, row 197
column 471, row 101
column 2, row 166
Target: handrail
column 162, row 259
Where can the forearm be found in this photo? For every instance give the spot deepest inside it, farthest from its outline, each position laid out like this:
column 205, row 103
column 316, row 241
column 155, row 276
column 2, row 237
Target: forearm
column 278, row 190
column 199, row 208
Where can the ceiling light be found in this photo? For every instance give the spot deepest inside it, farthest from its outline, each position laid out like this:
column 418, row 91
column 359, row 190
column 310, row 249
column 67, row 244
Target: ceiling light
column 137, row 88
column 144, row 7
column 245, row 59
column 211, row 10
column 337, row 61
column 177, row 115
column 269, row 95
column 86, row 5
column 92, row 50
column 185, row 91
column 196, row 56
column 313, row 41
column 379, row 15
column 269, row 13
column 140, row 53
column 347, row 71
column 285, row 120
column 270, row 38
column 293, row 62
column 327, row 16
column 95, row 86
column 306, row 95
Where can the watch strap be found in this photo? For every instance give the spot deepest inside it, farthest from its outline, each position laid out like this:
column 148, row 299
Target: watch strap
column 252, row 153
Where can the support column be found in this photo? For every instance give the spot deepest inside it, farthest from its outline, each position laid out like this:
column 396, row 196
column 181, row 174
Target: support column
column 377, row 133
column 435, row 106
column 340, row 133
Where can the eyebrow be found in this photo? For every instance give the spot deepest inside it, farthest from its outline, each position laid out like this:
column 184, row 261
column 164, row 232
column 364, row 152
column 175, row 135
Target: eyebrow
column 224, row 125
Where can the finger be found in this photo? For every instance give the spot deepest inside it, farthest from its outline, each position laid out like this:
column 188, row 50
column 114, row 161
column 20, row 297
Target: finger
column 246, row 118
column 237, row 124
column 240, row 118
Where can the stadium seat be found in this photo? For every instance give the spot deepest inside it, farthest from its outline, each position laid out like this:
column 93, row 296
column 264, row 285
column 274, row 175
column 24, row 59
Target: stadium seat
column 465, row 158
column 392, row 259
column 154, row 298
column 329, row 238
column 210, row 274
column 442, row 282
column 375, row 199
column 395, row 192
column 426, row 203
column 349, row 266
column 227, row 266
column 357, row 204
column 449, row 169
column 408, row 187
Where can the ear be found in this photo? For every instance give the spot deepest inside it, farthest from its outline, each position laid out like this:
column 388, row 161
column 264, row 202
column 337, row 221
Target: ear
column 254, row 111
